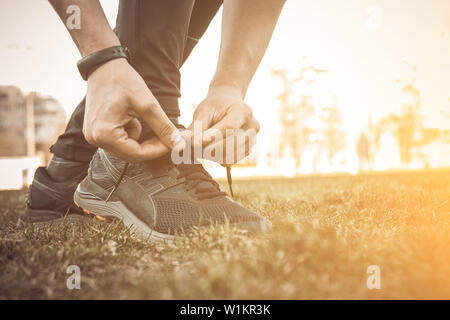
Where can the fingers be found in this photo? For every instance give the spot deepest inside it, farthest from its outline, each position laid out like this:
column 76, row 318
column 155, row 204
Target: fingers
column 152, row 113
column 231, row 138
column 232, row 148
column 122, row 141
column 236, row 118
column 202, row 119
column 130, row 150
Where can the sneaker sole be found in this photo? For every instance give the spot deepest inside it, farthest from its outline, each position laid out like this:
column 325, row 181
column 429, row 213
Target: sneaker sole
column 114, row 209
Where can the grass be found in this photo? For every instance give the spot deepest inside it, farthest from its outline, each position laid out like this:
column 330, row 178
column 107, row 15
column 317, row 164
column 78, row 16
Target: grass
column 326, row 232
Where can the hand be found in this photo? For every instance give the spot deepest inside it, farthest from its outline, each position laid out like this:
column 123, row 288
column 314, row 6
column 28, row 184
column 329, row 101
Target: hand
column 116, row 97
column 224, row 111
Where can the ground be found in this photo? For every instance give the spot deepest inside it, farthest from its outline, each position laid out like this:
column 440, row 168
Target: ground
column 326, row 232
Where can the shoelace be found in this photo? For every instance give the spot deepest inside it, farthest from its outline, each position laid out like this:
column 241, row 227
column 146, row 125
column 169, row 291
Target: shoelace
column 118, row 181
column 196, row 174
column 229, row 180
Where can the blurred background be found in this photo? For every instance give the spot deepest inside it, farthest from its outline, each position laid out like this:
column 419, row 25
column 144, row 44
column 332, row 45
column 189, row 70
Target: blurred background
column 348, row 87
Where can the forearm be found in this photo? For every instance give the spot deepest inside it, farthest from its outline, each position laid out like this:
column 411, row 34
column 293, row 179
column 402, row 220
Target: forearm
column 95, row 33
column 247, row 27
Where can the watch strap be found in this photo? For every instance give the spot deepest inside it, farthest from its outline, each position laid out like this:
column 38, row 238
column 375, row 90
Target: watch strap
column 87, row 64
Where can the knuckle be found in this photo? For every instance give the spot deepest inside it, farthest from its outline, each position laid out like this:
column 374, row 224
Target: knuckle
column 100, row 134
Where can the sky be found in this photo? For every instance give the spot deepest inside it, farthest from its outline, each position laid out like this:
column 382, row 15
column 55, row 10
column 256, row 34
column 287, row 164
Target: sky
column 362, row 42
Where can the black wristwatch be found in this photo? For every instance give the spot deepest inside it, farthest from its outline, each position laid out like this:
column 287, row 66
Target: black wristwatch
column 87, row 64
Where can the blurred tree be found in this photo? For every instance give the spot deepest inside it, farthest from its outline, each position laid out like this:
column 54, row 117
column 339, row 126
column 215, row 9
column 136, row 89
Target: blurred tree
column 407, row 127
column 296, row 109
column 293, row 115
column 333, row 136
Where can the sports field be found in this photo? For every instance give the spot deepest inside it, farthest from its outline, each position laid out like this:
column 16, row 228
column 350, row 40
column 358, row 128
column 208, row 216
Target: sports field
column 326, row 232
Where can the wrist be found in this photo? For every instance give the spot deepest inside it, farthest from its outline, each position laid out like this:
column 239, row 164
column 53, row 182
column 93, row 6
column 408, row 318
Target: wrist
column 228, row 88
column 108, row 69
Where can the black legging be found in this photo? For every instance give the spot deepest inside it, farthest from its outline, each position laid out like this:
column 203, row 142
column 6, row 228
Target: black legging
column 160, row 35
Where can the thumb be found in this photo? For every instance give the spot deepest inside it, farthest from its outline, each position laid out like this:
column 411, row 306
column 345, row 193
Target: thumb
column 159, row 122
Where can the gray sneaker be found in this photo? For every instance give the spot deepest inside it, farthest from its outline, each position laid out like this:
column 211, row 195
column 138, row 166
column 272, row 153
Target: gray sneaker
column 158, row 199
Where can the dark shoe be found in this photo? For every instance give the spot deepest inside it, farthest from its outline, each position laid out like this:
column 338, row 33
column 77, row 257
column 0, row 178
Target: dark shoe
column 157, row 198
column 50, row 201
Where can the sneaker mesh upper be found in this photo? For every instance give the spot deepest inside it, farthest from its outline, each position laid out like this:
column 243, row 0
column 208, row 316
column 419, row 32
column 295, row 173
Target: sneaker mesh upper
column 180, row 214
column 176, row 210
